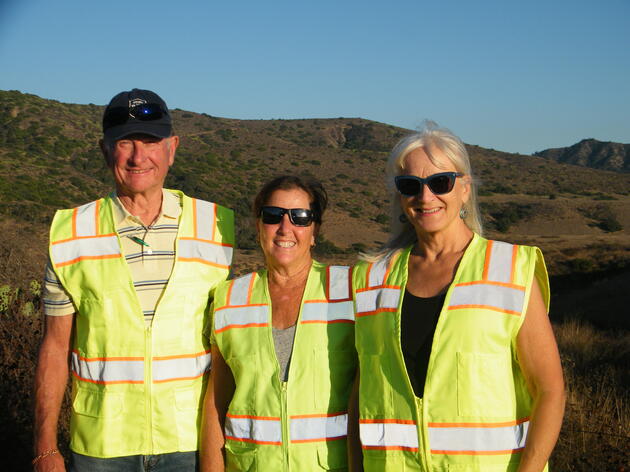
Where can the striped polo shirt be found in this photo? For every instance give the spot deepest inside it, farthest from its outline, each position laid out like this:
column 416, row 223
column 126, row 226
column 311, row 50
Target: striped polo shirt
column 150, row 266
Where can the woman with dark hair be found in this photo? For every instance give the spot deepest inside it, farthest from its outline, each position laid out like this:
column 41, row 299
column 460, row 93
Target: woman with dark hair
column 459, row 368
column 283, row 356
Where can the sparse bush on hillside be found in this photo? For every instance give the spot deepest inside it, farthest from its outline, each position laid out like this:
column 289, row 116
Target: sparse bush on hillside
column 603, row 218
column 501, row 216
column 324, row 247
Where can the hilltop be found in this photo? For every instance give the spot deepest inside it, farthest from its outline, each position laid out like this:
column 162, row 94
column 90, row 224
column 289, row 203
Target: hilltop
column 592, row 153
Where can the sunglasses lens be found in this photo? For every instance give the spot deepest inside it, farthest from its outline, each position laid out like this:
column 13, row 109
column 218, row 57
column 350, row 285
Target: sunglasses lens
column 408, row 185
column 271, row 215
column 147, row 112
column 301, row 216
column 440, row 184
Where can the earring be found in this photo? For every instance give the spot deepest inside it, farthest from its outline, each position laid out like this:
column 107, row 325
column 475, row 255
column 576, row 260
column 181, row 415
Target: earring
column 403, row 218
column 463, row 213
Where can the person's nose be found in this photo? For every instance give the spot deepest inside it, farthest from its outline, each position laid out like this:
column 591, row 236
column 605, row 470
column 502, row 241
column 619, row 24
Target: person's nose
column 138, row 152
column 285, row 223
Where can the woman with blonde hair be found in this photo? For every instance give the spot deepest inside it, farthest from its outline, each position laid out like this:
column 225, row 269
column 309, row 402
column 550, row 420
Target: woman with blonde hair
column 459, row 368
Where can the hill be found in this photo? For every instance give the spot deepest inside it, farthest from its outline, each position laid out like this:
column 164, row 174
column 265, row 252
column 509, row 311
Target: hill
column 592, row 153
column 580, row 217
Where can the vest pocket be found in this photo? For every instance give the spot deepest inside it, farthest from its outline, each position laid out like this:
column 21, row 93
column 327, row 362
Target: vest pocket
column 187, row 416
column 240, row 459
column 333, row 455
column 333, row 374
column 95, row 416
column 375, row 389
column 97, row 404
column 485, row 385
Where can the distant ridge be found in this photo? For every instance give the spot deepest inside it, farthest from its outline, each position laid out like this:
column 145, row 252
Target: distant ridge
column 592, row 153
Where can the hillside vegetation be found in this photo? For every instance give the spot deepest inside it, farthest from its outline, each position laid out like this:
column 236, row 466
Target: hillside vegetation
column 592, row 153
column 580, row 217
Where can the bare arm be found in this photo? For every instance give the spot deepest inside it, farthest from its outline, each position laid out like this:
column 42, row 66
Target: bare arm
column 355, row 454
column 540, row 361
column 51, row 379
column 218, row 396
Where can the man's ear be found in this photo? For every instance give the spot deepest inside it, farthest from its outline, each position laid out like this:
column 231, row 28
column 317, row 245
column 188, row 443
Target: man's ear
column 172, row 147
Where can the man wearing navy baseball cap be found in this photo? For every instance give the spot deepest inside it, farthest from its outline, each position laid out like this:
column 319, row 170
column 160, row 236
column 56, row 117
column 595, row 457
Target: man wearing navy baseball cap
column 127, row 288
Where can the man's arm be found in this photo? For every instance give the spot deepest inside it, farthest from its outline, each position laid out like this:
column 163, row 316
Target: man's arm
column 51, row 379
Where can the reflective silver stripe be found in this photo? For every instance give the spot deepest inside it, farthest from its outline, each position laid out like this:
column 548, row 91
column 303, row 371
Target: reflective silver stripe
column 240, row 317
column 327, row 312
column 477, row 438
column 240, row 290
column 500, row 264
column 104, row 370
column 255, row 429
column 497, row 297
column 76, row 249
column 377, row 273
column 212, row 253
column 338, row 283
column 180, row 367
column 86, row 220
column 318, row 428
column 205, row 219
column 389, row 435
column 378, row 298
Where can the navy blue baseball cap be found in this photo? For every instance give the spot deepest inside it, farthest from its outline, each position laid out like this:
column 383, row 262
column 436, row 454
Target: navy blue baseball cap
column 137, row 112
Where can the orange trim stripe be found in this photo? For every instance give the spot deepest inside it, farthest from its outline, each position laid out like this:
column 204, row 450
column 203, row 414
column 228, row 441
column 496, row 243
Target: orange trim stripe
column 96, row 211
column 254, row 417
column 478, row 453
column 376, row 312
column 367, row 276
column 327, row 286
column 94, row 359
column 386, row 421
column 350, row 272
column 391, row 448
column 61, row 241
column 181, row 356
column 329, row 301
column 318, row 415
column 513, row 269
column 479, row 425
column 214, row 220
column 87, row 258
column 250, row 325
column 485, row 307
column 334, row 438
column 239, row 306
column 250, row 289
column 491, row 282
column 253, row 441
column 388, row 270
column 194, row 217
column 209, row 241
column 74, row 223
column 397, row 287
column 103, row 382
column 486, row 263
column 202, row 261
column 326, row 322
column 174, row 379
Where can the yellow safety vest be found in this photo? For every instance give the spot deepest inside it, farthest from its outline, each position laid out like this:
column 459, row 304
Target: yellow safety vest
column 301, row 424
column 138, row 389
column 475, row 409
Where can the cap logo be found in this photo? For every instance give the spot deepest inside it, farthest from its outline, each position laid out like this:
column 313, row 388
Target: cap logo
column 134, row 102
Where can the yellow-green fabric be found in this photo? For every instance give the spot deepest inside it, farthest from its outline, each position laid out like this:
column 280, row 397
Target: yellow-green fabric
column 474, row 384
column 301, row 424
column 137, row 389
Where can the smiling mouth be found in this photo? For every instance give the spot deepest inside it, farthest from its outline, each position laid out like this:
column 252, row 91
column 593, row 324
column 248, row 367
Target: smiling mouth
column 143, row 171
column 427, row 212
column 285, row 243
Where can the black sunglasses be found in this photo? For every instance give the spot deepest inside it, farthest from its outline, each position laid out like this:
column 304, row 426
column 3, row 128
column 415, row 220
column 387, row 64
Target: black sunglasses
column 143, row 112
column 439, row 184
column 298, row 216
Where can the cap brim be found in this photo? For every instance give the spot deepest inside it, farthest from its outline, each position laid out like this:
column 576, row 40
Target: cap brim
column 159, row 130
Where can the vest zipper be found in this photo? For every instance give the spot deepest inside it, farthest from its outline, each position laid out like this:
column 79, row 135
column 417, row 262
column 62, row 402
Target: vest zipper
column 285, row 427
column 148, row 382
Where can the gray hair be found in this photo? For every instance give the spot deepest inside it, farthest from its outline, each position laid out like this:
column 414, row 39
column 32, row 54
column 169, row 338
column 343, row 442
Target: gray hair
column 430, row 136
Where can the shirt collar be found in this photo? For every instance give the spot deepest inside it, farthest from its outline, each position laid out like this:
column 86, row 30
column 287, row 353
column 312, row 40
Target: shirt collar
column 171, row 208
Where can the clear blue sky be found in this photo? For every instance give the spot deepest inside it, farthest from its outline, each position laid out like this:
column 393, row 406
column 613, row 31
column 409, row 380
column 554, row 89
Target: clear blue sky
column 514, row 76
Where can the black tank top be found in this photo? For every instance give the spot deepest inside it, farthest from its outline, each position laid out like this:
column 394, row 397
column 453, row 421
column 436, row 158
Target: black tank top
column 419, row 317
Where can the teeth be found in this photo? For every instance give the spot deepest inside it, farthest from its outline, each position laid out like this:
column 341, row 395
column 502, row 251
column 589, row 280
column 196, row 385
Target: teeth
column 285, row 243
column 428, row 212
column 137, row 171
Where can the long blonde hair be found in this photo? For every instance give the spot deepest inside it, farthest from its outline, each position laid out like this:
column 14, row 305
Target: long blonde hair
column 431, row 136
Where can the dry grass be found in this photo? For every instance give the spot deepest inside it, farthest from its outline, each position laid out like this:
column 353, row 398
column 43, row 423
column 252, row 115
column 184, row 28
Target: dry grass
column 596, row 432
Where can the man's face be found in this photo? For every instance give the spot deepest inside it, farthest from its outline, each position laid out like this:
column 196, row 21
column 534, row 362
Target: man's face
column 140, row 163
